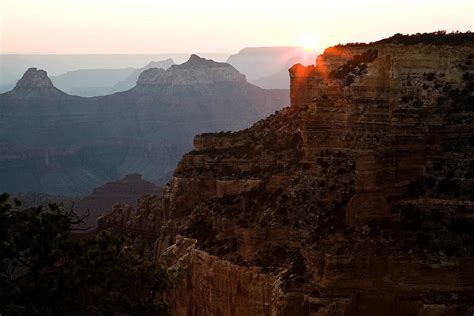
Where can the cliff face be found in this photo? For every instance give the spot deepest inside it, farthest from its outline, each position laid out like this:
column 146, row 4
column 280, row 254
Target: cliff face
column 356, row 200
column 401, row 114
column 65, row 145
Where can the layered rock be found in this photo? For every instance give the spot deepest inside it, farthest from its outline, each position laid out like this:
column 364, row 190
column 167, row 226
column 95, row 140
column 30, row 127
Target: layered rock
column 361, row 195
column 137, row 221
column 386, row 107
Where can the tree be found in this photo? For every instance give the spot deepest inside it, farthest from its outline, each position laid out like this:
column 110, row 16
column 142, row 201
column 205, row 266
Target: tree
column 46, row 270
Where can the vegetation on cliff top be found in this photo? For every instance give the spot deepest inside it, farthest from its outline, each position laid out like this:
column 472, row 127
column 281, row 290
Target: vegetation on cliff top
column 47, row 271
column 355, row 67
column 431, row 38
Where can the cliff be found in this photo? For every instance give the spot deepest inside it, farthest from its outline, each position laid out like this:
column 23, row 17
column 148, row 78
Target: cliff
column 137, row 220
column 356, row 200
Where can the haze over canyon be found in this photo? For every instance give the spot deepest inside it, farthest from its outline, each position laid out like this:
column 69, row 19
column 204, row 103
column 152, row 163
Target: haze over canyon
column 237, row 159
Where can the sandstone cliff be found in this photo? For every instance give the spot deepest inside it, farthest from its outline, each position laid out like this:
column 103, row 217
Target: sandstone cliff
column 356, row 200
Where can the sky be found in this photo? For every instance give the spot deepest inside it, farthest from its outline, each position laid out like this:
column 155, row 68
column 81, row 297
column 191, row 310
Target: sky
column 175, row 26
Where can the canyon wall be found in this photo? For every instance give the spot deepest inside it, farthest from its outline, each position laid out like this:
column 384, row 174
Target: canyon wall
column 355, row 200
column 386, row 108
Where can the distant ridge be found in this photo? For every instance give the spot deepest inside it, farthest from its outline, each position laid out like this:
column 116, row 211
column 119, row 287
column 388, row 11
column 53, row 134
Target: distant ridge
column 68, row 145
column 196, row 70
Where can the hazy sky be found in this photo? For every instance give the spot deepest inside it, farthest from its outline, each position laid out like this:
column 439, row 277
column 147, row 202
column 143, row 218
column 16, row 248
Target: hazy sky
column 155, row 26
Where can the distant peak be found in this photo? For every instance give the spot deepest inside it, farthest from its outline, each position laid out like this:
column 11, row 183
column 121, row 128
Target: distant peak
column 196, row 70
column 195, row 57
column 195, row 62
column 34, row 78
column 35, row 84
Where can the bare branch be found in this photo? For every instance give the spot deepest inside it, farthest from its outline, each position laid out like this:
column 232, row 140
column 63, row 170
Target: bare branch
column 81, row 229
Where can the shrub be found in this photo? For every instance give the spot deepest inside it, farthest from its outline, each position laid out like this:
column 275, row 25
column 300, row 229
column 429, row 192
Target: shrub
column 44, row 271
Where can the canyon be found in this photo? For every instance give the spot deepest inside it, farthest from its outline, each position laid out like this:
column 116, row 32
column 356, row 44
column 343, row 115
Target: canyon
column 59, row 144
column 97, row 75
column 355, row 200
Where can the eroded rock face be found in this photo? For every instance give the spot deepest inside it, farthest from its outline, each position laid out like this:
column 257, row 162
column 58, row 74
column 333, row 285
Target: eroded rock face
column 387, row 108
column 356, row 200
column 251, row 291
column 138, row 221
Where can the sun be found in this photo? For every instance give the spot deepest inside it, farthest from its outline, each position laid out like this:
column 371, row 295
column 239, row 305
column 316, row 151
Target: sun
column 308, row 42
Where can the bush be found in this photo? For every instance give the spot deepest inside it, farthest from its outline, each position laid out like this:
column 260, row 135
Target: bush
column 45, row 271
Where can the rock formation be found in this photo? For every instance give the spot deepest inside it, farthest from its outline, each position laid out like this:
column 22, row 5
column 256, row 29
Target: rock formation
column 196, row 70
column 60, row 144
column 356, row 200
column 138, row 220
column 36, row 84
column 125, row 192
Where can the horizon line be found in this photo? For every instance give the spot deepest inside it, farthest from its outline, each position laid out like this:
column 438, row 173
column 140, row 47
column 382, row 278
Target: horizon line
column 148, row 53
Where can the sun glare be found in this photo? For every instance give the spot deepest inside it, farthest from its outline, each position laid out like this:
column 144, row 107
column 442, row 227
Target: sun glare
column 308, row 42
